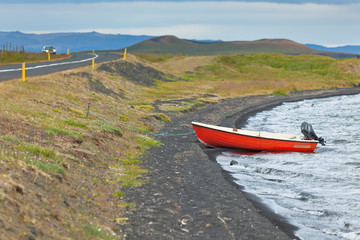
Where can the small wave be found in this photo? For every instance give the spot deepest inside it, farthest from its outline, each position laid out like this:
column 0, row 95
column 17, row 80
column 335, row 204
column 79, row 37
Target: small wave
column 274, row 180
column 353, row 163
column 340, row 141
column 291, row 163
column 279, row 172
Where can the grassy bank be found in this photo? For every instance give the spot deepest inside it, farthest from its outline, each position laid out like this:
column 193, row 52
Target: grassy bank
column 61, row 168
column 12, row 57
column 238, row 75
column 67, row 170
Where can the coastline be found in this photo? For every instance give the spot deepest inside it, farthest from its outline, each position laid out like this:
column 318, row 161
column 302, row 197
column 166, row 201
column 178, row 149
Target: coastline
column 189, row 197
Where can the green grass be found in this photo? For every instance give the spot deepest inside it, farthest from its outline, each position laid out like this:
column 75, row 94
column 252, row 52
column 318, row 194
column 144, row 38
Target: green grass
column 123, row 118
column 29, row 153
column 107, row 127
column 10, row 139
column 38, row 150
column 146, row 142
column 253, row 73
column 280, row 92
column 92, row 231
column 47, row 167
column 187, row 106
column 60, row 131
column 9, row 57
column 131, row 176
column 164, row 117
column 76, row 124
column 308, row 63
column 159, row 58
column 129, row 161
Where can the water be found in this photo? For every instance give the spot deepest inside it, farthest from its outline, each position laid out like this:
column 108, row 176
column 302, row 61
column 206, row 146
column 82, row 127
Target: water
column 318, row 192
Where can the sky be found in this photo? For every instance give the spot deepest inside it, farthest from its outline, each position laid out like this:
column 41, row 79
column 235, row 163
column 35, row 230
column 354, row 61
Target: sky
column 329, row 23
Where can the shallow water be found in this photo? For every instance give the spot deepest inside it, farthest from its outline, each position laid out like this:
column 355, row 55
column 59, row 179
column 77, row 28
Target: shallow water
column 318, row 192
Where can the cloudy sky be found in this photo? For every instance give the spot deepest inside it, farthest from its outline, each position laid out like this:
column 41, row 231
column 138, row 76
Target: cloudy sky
column 326, row 22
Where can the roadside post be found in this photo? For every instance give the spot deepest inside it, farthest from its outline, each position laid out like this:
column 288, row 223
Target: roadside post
column 49, row 55
column 93, row 63
column 68, row 52
column 23, row 72
column 125, row 54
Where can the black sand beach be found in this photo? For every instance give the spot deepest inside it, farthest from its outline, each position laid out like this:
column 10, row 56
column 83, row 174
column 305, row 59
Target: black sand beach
column 189, row 196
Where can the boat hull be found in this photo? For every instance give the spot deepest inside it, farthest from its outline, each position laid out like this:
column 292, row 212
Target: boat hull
column 221, row 137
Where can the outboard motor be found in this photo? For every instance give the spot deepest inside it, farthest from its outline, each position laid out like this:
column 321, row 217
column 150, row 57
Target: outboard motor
column 309, row 133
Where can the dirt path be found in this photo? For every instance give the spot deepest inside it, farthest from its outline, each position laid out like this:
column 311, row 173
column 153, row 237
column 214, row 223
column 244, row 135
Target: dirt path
column 188, row 196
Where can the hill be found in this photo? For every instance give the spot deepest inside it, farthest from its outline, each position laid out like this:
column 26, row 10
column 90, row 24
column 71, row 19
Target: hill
column 174, row 45
column 343, row 49
column 73, row 41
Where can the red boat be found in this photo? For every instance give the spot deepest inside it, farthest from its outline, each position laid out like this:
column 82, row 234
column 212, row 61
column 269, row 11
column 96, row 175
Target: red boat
column 224, row 137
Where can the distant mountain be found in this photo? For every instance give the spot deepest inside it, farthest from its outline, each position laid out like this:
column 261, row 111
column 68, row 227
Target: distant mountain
column 164, row 44
column 174, row 45
column 343, row 49
column 73, row 41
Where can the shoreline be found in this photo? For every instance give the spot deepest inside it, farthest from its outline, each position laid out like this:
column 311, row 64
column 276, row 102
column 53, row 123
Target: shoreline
column 189, row 197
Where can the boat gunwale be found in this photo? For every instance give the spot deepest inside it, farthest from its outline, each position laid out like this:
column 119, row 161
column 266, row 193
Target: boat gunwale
column 242, row 134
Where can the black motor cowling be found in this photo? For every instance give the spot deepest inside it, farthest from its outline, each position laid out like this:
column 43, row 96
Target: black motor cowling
column 309, row 133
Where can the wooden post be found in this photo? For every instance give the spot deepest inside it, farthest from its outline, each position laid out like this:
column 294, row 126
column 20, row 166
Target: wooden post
column 23, row 72
column 87, row 113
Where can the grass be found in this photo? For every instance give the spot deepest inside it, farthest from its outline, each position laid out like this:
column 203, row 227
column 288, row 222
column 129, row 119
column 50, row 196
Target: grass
column 92, row 231
column 132, row 175
column 239, row 75
column 47, row 167
column 30, row 154
column 11, row 57
column 107, row 127
column 146, row 142
column 46, row 137
column 60, row 131
column 280, row 92
column 160, row 58
column 76, row 124
column 38, row 150
column 188, row 106
column 164, row 117
column 42, row 121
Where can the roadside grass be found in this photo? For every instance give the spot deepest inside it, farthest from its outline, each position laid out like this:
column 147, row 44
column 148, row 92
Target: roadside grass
column 160, row 58
column 60, row 131
column 31, row 154
column 239, row 75
column 107, row 127
column 11, row 57
column 44, row 125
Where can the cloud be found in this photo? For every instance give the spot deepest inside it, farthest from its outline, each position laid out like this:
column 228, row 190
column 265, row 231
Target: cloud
column 325, row 24
column 340, row 2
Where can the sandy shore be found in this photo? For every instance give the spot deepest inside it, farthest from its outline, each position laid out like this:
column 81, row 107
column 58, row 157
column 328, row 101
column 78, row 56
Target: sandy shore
column 189, row 196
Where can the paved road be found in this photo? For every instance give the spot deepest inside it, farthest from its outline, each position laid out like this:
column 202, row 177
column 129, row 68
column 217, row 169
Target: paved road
column 8, row 72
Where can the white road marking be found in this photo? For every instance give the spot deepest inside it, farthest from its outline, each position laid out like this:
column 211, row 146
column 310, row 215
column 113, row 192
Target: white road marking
column 49, row 65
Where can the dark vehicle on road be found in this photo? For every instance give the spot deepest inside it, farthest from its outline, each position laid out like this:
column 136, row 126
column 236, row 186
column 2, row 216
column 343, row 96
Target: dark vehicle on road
column 49, row 49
